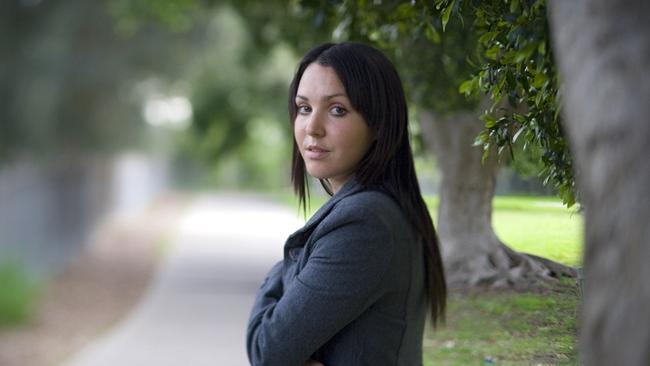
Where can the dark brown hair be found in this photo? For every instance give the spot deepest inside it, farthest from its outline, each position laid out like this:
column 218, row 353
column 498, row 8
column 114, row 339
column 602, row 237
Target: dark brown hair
column 375, row 91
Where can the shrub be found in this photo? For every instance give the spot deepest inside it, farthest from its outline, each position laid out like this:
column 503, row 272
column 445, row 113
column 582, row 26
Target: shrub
column 18, row 293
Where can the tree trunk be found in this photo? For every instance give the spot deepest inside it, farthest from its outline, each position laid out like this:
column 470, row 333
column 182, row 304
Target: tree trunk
column 603, row 52
column 472, row 252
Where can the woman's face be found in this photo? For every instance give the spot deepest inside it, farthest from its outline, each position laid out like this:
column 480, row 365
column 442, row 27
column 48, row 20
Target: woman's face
column 331, row 135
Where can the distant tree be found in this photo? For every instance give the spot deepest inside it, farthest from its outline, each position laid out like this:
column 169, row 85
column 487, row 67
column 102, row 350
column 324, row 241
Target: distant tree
column 238, row 96
column 515, row 68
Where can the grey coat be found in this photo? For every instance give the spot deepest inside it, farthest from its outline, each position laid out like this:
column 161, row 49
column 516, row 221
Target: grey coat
column 350, row 290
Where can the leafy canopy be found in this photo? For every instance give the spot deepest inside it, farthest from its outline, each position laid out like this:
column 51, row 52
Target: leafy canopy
column 499, row 49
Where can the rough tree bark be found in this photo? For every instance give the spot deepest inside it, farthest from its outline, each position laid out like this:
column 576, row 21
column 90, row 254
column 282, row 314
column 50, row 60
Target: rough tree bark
column 472, row 252
column 603, row 51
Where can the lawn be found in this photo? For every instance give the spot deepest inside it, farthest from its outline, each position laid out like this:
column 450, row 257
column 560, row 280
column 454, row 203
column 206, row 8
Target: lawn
column 540, row 226
column 505, row 328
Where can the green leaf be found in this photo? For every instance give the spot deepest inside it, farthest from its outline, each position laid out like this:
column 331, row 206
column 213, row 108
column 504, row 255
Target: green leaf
column 432, row 33
column 519, row 131
column 492, row 52
column 514, row 6
column 525, row 52
column 519, row 117
column 468, row 86
column 446, row 13
column 488, row 36
column 508, row 57
column 566, row 193
column 539, row 80
column 489, row 121
column 405, row 11
column 486, row 154
column 481, row 139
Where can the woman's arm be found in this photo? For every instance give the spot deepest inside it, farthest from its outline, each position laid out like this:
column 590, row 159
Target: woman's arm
column 267, row 296
column 340, row 280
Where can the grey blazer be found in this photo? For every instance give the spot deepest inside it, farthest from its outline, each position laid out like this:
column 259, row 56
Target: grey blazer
column 350, row 290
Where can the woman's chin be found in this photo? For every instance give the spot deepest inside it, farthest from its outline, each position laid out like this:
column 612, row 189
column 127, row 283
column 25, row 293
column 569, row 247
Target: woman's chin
column 317, row 173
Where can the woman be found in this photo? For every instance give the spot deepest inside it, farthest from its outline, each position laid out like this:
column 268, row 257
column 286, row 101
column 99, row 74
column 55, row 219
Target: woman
column 357, row 279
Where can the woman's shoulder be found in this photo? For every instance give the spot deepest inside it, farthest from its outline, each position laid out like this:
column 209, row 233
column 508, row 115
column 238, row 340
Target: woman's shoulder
column 372, row 206
column 369, row 201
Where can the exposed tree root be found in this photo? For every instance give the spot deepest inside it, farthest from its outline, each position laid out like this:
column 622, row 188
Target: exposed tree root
column 506, row 269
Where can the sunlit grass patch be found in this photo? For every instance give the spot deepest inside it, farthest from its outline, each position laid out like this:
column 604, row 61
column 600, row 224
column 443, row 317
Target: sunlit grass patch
column 553, row 235
column 540, row 226
column 536, row 225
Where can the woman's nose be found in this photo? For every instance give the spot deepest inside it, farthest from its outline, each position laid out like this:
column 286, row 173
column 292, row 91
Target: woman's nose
column 314, row 125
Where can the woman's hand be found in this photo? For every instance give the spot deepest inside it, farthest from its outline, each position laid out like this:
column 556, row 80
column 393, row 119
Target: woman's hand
column 313, row 363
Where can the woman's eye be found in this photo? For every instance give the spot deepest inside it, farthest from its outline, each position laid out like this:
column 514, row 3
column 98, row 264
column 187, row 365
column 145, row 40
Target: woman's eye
column 303, row 109
column 338, row 111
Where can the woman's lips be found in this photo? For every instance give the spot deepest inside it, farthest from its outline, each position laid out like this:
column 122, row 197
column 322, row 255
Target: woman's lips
column 315, row 152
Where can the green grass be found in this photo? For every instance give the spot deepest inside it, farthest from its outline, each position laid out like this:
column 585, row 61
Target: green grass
column 506, row 328
column 18, row 293
column 535, row 225
column 541, row 226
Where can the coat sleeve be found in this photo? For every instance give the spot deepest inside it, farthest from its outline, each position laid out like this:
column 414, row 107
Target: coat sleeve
column 340, row 280
column 267, row 296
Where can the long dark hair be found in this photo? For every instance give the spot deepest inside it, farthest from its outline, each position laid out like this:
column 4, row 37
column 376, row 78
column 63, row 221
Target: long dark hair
column 375, row 90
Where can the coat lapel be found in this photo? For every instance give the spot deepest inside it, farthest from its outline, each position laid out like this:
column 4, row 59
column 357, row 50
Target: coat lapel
column 299, row 237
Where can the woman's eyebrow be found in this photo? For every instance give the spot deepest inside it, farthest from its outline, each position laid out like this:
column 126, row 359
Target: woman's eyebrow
column 327, row 97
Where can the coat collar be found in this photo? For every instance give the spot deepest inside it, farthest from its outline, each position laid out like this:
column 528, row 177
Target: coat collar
column 349, row 188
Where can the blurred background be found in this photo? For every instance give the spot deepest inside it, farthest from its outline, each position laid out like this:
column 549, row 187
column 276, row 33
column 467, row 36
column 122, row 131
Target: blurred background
column 116, row 117
column 104, row 109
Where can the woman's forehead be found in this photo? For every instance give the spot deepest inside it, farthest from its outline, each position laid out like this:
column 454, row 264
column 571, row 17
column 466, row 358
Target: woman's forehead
column 320, row 82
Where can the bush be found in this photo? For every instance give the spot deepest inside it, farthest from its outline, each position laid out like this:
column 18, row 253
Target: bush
column 18, row 293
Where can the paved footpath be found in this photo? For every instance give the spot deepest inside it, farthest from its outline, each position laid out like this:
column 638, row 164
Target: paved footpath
column 196, row 309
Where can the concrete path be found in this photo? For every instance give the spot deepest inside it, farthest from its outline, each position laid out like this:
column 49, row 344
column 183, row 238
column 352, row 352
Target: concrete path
column 195, row 311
